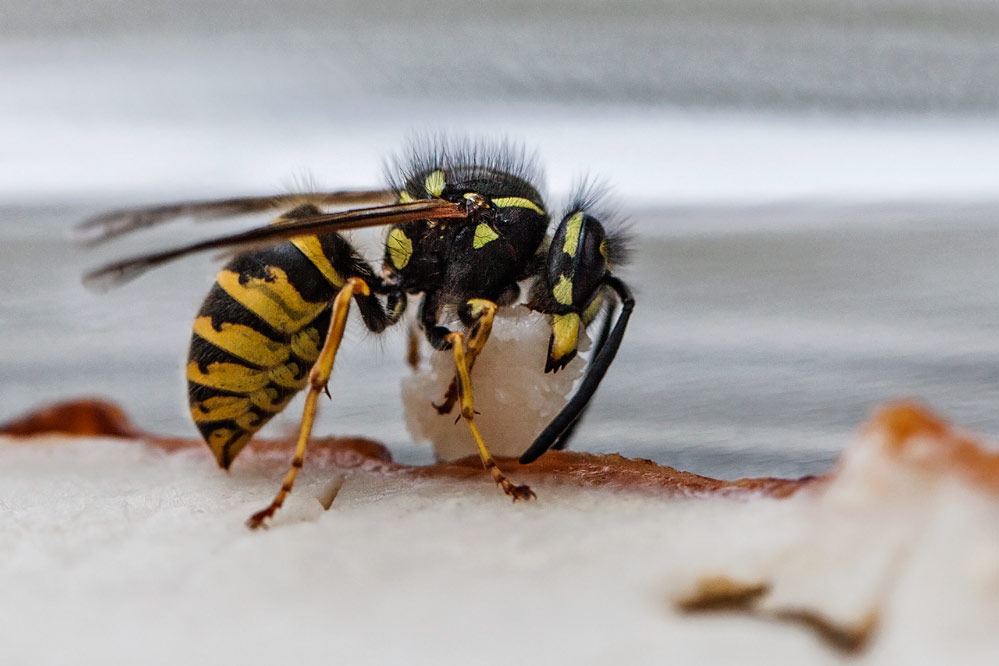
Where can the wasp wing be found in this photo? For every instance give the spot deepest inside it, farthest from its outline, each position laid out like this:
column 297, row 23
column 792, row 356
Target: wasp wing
column 119, row 272
column 111, row 224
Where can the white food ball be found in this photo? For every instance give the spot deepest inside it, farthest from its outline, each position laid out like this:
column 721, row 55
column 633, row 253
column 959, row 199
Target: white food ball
column 514, row 397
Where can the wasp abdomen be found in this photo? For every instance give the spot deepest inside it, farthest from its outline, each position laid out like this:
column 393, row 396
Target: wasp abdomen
column 255, row 339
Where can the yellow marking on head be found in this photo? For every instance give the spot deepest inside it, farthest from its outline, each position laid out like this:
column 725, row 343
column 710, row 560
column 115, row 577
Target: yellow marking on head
column 313, row 250
column 483, row 234
column 218, row 439
column 519, row 202
column 276, row 301
column 400, row 248
column 405, row 197
column 230, row 377
column 572, row 229
column 434, row 183
column 565, row 329
column 284, row 376
column 242, row 341
column 563, row 290
column 605, row 252
column 219, row 408
column 593, row 309
column 305, row 344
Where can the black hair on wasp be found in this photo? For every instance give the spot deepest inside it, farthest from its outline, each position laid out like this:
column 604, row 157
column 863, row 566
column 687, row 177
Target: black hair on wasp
column 467, row 224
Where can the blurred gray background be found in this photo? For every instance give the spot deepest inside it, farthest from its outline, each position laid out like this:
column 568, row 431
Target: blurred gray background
column 813, row 186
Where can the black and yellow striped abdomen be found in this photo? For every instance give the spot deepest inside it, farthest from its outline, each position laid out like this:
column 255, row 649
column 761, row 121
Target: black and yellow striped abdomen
column 258, row 333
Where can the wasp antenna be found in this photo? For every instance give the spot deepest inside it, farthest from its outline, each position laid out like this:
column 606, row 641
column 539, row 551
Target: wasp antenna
column 605, row 331
column 591, row 380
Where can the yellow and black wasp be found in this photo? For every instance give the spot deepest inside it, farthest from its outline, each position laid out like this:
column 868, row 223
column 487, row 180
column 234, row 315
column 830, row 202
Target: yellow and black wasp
column 466, row 226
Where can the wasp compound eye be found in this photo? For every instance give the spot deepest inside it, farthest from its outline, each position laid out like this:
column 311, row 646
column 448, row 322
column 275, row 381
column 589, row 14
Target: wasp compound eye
column 577, row 261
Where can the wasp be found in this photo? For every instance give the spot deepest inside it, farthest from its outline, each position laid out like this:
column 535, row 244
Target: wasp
column 466, row 228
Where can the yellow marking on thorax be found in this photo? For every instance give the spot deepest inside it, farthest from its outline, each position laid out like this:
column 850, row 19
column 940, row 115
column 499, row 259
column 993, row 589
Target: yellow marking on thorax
column 242, row 341
column 313, row 250
column 519, row 202
column 483, row 234
column 572, row 229
column 405, row 197
column 277, row 302
column 400, row 248
column 434, row 183
column 563, row 290
column 565, row 329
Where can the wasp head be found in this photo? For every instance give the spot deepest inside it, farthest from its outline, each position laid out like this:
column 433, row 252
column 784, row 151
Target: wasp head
column 578, row 264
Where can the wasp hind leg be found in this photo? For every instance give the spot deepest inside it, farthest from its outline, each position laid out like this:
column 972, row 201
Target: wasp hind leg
column 319, row 377
column 484, row 311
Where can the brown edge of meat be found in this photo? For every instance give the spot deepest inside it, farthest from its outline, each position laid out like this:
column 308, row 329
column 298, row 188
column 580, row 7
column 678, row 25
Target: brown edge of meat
column 97, row 418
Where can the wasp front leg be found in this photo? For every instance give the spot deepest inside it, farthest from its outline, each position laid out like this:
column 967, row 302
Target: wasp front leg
column 462, row 362
column 479, row 314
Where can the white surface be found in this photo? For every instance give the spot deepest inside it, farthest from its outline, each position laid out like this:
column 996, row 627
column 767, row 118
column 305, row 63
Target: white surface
column 115, row 552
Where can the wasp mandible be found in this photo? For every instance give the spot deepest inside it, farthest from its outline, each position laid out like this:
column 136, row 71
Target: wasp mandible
column 467, row 226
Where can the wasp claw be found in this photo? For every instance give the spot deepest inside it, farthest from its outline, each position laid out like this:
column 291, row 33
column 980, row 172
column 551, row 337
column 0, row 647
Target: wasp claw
column 520, row 493
column 256, row 521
